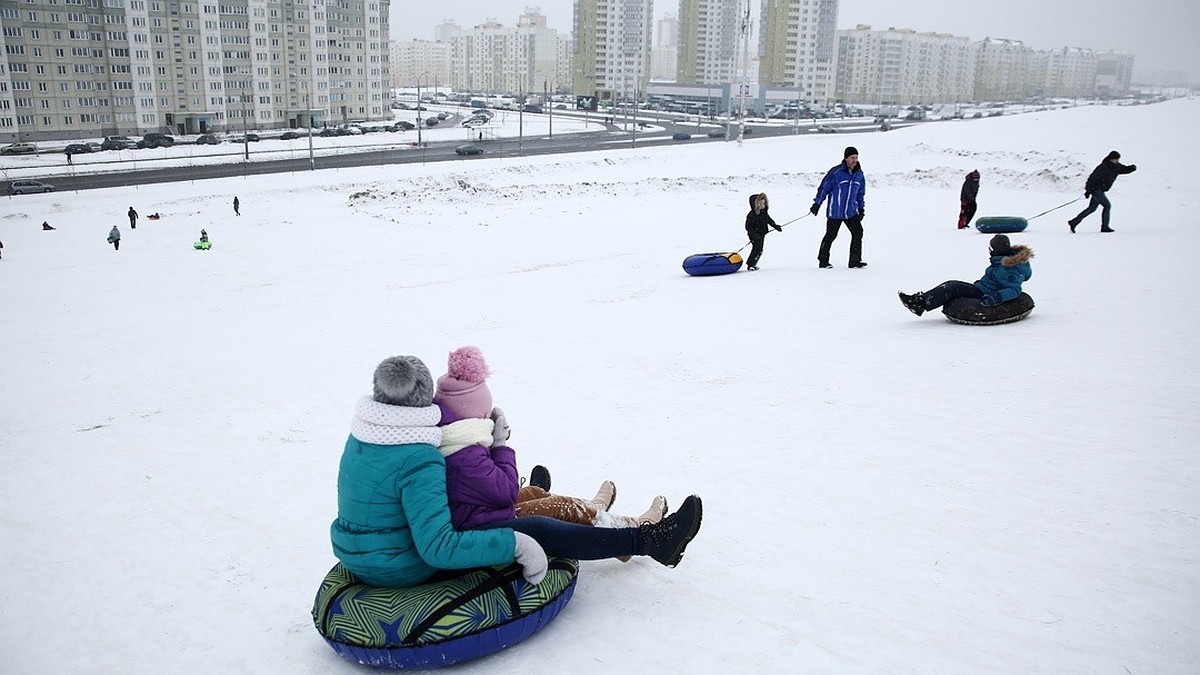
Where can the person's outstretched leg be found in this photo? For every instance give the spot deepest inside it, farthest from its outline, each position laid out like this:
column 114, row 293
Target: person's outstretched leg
column 1105, row 210
column 947, row 291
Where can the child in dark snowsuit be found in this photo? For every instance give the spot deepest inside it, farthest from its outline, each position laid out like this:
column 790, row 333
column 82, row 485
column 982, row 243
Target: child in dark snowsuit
column 970, row 190
column 757, row 222
column 1001, row 281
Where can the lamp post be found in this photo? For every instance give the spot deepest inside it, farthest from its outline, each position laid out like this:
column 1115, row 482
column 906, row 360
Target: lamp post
column 420, row 123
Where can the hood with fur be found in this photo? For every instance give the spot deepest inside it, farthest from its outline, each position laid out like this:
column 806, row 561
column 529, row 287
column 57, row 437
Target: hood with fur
column 1020, row 254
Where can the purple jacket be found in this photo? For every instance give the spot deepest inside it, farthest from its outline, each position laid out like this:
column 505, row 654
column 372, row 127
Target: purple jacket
column 481, row 483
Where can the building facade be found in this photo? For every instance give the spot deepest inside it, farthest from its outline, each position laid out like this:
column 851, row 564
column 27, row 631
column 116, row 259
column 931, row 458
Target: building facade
column 89, row 68
column 709, row 39
column 664, row 53
column 797, row 43
column 611, row 48
column 495, row 59
column 902, row 66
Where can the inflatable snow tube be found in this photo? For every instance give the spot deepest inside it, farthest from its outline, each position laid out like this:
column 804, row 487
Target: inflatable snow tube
column 472, row 614
column 1000, row 224
column 202, row 245
column 710, row 264
column 968, row 311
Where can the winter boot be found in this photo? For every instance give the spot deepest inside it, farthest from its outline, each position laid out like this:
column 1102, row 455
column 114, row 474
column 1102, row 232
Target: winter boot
column 605, row 496
column 654, row 514
column 540, row 477
column 666, row 540
column 1107, row 229
column 1071, row 223
column 915, row 302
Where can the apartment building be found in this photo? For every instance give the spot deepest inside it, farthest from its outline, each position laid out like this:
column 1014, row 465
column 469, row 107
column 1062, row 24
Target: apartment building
column 421, row 62
column 797, row 43
column 710, row 33
column 495, row 59
column 1003, row 70
column 1069, row 72
column 664, row 53
column 611, row 50
column 1114, row 73
column 902, row 66
column 89, row 68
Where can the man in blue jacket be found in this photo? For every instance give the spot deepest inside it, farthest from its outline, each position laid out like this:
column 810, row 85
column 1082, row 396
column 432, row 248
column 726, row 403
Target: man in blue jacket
column 845, row 186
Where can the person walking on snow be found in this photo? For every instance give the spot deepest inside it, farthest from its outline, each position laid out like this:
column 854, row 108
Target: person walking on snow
column 757, row 222
column 1009, row 267
column 132, row 218
column 966, row 199
column 114, row 238
column 845, row 187
column 237, row 206
column 1098, row 184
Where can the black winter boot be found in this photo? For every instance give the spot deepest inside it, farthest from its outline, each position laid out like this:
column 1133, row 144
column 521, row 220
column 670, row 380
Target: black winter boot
column 666, row 540
column 915, row 302
column 540, row 477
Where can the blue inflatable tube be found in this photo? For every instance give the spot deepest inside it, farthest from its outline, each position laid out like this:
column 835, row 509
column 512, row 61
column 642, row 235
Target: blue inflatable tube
column 1001, row 224
column 711, row 264
column 456, row 619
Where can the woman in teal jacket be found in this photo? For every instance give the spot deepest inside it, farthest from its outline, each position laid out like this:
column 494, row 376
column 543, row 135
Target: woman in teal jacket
column 1009, row 268
column 393, row 527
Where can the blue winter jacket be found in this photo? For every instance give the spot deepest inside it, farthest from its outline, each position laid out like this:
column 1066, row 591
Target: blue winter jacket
column 845, row 190
column 393, row 527
column 1005, row 275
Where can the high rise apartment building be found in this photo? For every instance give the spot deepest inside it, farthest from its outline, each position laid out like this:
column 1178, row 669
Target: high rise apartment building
column 420, row 62
column 611, row 57
column 1114, row 73
column 709, row 48
column 664, row 53
column 495, row 59
column 902, row 66
column 80, row 68
column 797, row 41
column 1003, row 70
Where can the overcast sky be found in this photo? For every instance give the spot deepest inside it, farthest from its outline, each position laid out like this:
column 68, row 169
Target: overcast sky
column 1161, row 33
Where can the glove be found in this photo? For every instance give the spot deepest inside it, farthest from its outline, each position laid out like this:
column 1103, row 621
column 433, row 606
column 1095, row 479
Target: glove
column 990, row 300
column 862, row 214
column 500, row 430
column 530, row 556
column 814, row 209
column 1132, row 168
column 777, row 228
column 1087, row 195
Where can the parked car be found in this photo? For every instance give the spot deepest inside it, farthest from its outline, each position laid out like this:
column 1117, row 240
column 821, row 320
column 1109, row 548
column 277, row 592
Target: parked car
column 19, row 149
column 443, row 115
column 118, row 143
column 248, row 138
column 431, row 121
column 155, row 140
column 468, row 149
column 717, row 133
column 327, row 132
column 77, row 148
column 826, row 129
column 289, row 135
column 27, row 185
column 405, row 126
column 207, row 139
column 681, row 136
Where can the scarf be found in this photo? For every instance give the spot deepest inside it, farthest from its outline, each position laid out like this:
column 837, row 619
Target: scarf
column 383, row 424
column 460, row 434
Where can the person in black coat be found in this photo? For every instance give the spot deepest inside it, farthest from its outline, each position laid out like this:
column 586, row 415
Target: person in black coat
column 757, row 222
column 966, row 199
column 1098, row 183
column 132, row 218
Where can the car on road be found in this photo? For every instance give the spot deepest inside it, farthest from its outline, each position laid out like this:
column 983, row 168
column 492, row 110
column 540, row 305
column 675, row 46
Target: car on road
column 431, row 121
column 95, row 147
column 248, row 138
column 717, row 133
column 681, row 136
column 118, row 143
column 77, row 148
column 289, row 135
column 27, row 185
column 155, row 140
column 19, row 149
column 468, row 149
column 403, row 125
column 208, row 139
column 826, row 129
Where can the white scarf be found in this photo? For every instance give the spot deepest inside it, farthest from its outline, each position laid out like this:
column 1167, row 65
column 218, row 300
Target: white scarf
column 460, row 434
column 383, row 424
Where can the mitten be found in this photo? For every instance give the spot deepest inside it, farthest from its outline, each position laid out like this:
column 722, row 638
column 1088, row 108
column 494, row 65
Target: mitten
column 990, row 300
column 814, row 209
column 500, row 430
column 862, row 214
column 1087, row 195
column 1132, row 168
column 777, row 228
column 530, row 556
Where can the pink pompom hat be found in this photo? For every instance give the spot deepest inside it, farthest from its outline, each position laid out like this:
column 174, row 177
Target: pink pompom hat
column 463, row 389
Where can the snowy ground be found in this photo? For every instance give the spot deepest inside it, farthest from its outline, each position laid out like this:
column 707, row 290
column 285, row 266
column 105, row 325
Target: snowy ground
column 883, row 494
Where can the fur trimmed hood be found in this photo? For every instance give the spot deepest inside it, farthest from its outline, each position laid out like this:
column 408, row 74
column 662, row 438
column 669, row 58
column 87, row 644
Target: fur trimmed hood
column 1020, row 254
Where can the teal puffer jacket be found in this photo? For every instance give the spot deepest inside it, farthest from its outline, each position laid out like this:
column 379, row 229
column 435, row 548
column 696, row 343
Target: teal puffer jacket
column 1003, row 278
column 393, row 527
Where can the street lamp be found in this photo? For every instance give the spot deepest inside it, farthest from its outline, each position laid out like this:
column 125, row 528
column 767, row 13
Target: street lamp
column 419, row 121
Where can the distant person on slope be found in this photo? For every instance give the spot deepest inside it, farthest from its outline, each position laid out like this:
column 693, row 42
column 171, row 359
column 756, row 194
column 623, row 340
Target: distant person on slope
column 133, row 215
column 966, row 199
column 1001, row 281
column 1098, row 184
column 114, row 238
column 757, row 222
